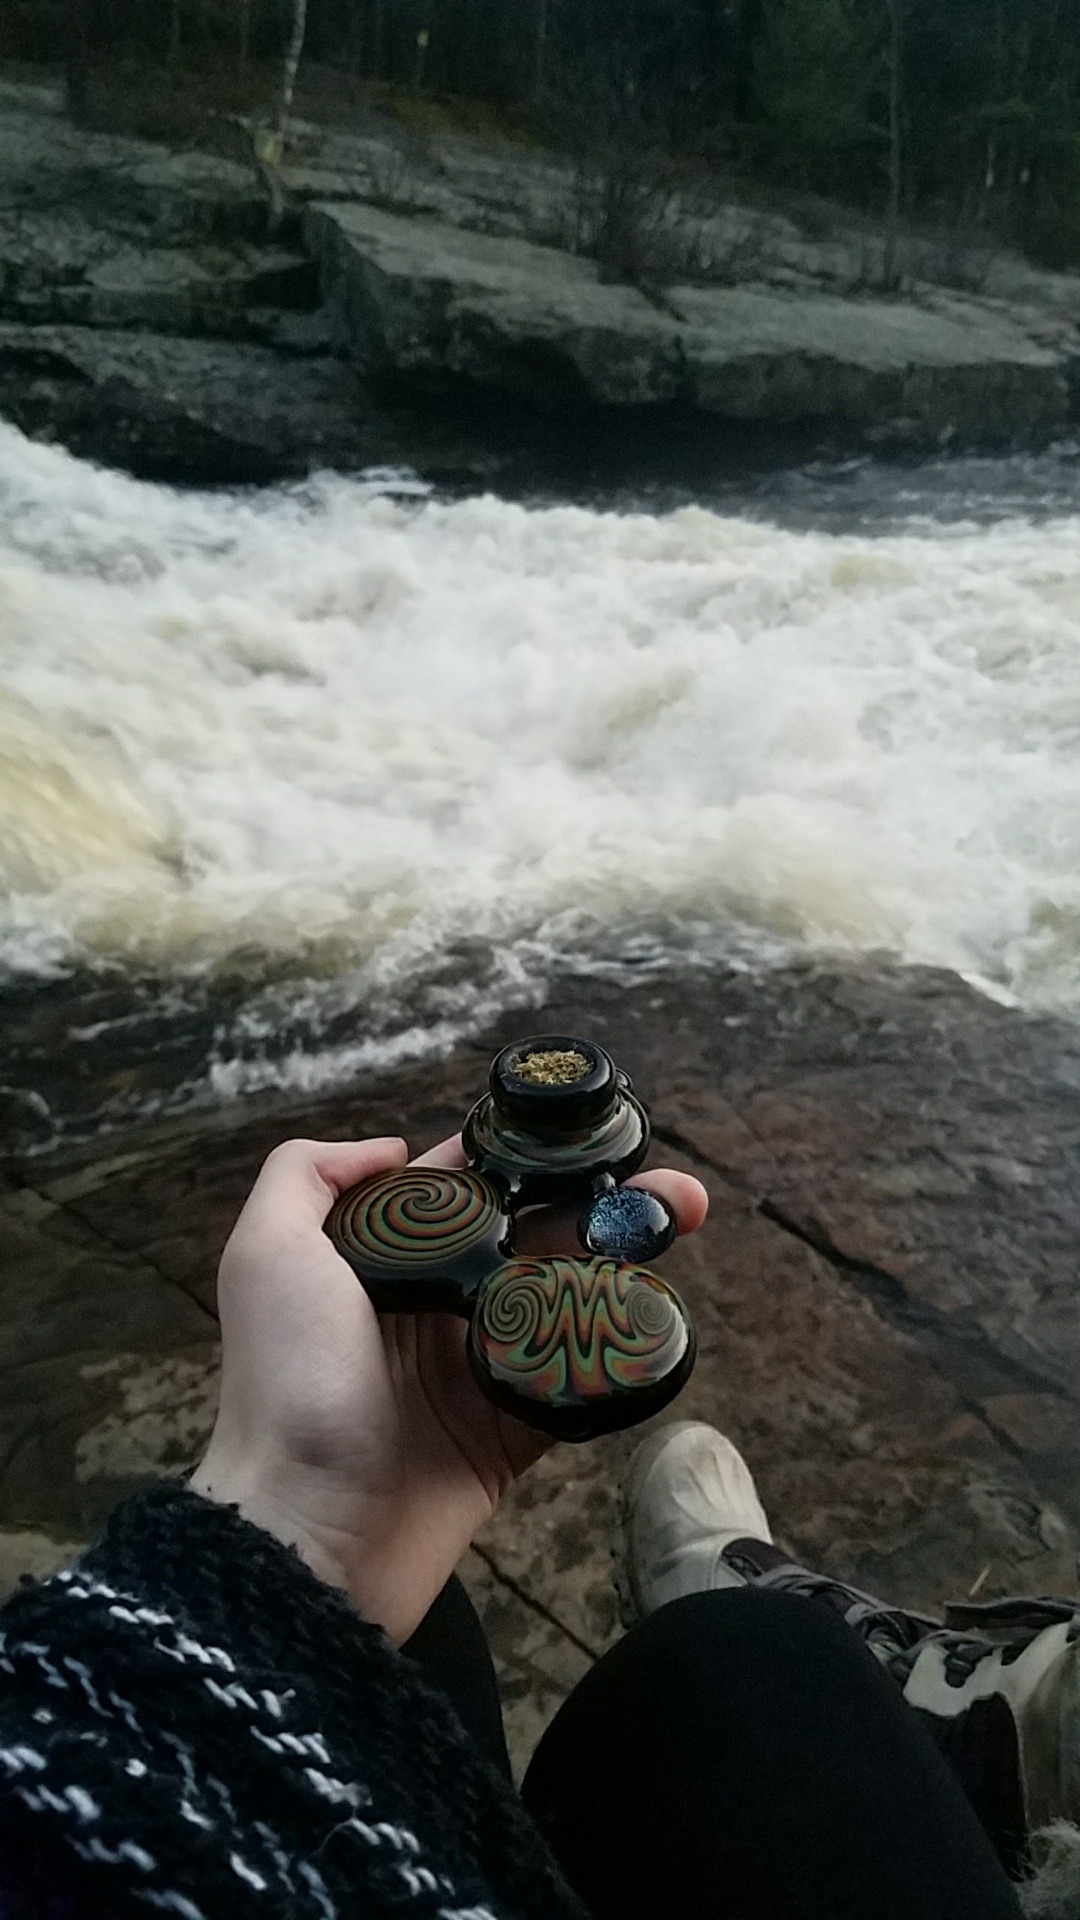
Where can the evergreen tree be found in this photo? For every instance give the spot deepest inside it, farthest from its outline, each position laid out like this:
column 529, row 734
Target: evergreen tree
column 815, row 72
column 957, row 112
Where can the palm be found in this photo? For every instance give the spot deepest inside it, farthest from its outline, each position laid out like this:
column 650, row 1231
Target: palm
column 366, row 1442
column 411, row 1458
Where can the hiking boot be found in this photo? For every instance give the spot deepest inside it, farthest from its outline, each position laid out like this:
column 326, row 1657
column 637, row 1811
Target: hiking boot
column 687, row 1495
column 999, row 1690
column 693, row 1523
column 997, row 1685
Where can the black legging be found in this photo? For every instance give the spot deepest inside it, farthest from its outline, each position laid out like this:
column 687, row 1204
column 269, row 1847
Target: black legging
column 740, row 1756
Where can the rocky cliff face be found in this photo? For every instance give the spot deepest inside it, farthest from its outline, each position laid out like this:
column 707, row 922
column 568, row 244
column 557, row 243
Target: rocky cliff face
column 149, row 319
column 885, row 1294
column 426, row 301
column 145, row 320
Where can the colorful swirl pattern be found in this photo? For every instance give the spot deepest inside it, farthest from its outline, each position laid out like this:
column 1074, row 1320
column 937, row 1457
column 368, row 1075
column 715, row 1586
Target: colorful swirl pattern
column 569, row 1332
column 423, row 1217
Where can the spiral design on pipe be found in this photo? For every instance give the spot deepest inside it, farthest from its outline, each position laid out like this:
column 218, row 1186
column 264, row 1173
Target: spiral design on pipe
column 421, row 1217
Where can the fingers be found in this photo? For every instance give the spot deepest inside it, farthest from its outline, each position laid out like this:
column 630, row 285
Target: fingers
column 687, row 1198
column 450, row 1154
column 548, row 1230
column 555, row 1230
column 302, row 1179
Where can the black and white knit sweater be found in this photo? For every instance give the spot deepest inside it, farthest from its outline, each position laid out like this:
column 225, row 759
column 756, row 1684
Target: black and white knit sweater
column 192, row 1725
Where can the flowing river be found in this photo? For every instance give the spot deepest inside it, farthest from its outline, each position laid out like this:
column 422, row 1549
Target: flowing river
column 320, row 777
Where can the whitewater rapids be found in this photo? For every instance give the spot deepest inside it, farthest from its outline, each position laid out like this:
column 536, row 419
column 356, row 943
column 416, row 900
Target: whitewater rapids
column 328, row 734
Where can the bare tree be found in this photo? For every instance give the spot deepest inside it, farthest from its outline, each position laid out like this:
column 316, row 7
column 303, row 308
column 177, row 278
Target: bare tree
column 423, row 45
column 246, row 10
column 627, row 206
column 540, row 54
column 269, row 138
column 355, row 37
column 176, row 32
column 77, row 64
column 378, row 39
column 896, row 142
column 292, row 67
column 463, row 47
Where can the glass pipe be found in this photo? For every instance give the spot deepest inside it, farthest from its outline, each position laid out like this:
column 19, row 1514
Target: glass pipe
column 575, row 1347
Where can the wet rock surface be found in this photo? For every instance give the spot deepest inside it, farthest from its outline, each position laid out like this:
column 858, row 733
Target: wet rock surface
column 168, row 408
column 885, row 1294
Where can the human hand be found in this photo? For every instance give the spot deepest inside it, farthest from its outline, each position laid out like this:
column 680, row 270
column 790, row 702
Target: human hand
column 365, row 1442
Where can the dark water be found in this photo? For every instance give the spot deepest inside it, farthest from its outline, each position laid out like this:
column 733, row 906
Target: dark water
column 833, row 492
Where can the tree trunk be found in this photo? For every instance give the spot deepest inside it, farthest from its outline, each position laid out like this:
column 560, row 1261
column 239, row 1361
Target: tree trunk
column 540, row 55
column 176, row 33
column 378, row 37
column 77, row 61
column 292, row 65
column 481, row 41
column 896, row 142
column 356, row 36
column 423, row 47
column 747, row 29
column 720, row 24
column 506, row 49
column 246, row 9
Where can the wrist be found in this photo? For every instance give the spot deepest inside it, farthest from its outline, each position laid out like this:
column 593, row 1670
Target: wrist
column 263, row 1504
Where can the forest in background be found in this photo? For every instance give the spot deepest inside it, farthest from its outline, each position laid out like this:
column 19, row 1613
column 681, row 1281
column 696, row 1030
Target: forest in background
column 959, row 113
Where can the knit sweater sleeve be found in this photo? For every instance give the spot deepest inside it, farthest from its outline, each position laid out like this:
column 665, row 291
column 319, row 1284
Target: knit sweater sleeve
column 191, row 1724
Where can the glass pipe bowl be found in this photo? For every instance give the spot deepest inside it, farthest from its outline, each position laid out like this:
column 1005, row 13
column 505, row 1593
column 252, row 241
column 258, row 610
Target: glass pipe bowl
column 548, row 1141
column 554, row 1084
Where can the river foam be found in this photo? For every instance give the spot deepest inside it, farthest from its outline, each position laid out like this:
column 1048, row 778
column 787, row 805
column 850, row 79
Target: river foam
column 332, row 735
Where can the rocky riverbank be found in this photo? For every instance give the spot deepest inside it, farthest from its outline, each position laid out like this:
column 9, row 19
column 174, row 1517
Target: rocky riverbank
column 426, row 302
column 150, row 321
column 885, row 1293
column 419, row 295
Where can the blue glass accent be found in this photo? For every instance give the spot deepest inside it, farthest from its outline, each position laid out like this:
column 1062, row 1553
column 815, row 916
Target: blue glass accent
column 628, row 1225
